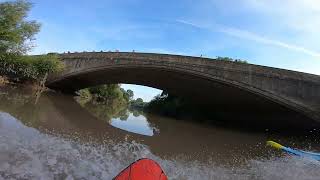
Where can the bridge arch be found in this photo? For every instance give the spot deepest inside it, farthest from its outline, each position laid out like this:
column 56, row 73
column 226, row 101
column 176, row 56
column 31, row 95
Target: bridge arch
column 216, row 84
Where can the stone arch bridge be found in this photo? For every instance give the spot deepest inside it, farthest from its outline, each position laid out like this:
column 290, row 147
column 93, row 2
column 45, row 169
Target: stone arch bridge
column 274, row 97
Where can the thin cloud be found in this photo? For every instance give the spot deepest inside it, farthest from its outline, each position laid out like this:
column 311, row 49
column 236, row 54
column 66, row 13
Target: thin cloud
column 258, row 38
column 252, row 37
column 190, row 24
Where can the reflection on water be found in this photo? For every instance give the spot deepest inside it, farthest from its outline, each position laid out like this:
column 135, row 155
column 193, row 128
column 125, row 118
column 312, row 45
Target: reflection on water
column 121, row 117
column 60, row 139
column 136, row 124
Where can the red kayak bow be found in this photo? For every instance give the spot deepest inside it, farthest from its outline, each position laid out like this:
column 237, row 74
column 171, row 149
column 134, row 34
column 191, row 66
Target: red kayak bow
column 143, row 169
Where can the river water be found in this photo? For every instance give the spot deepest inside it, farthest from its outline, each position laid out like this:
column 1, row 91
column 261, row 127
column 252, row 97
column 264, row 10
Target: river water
column 59, row 138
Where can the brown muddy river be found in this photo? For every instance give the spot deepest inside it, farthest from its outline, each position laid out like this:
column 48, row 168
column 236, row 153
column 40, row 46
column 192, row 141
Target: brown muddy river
column 59, row 138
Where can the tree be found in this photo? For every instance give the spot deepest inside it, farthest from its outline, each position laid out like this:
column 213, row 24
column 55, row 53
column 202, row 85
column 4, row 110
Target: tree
column 16, row 32
column 139, row 101
column 106, row 92
column 130, row 94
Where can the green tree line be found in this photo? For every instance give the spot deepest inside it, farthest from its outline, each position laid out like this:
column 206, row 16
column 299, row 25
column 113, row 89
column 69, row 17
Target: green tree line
column 110, row 101
column 111, row 94
column 106, row 94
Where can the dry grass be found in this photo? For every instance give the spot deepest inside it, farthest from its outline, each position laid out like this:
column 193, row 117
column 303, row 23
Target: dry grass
column 3, row 80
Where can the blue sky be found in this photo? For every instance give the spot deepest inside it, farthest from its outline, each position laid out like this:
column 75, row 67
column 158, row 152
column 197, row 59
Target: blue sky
column 275, row 33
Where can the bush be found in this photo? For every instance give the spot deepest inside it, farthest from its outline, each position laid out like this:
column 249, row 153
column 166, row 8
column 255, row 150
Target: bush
column 29, row 67
column 219, row 58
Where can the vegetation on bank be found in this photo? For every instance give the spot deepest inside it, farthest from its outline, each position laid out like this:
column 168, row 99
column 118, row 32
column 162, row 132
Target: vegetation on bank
column 138, row 103
column 219, row 58
column 111, row 94
column 21, row 68
column 16, row 39
column 179, row 107
column 109, row 101
column 168, row 105
column 106, row 94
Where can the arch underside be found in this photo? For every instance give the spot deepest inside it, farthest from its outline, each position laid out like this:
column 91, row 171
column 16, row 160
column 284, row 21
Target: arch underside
column 238, row 104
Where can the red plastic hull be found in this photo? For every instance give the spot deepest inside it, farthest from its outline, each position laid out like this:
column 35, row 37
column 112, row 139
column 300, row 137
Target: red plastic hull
column 143, row 169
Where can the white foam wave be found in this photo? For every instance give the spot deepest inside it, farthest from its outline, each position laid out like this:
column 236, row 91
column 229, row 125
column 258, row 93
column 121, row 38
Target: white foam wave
column 26, row 153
